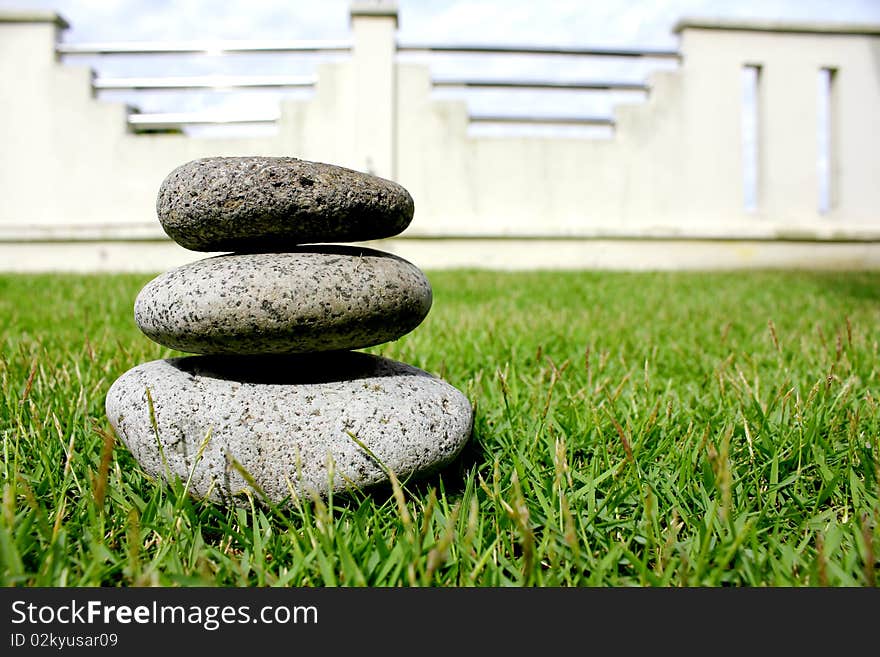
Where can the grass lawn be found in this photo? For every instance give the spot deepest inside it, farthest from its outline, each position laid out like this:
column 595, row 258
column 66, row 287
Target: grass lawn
column 670, row 429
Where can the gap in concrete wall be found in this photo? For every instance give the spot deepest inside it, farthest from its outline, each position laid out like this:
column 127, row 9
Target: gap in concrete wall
column 751, row 89
column 549, row 130
column 235, row 101
column 827, row 100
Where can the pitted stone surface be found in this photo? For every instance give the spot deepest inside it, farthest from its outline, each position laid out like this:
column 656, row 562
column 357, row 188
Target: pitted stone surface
column 252, row 204
column 320, row 299
column 280, row 417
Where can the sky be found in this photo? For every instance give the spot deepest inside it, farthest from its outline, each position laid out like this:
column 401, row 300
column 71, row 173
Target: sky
column 565, row 22
column 575, row 23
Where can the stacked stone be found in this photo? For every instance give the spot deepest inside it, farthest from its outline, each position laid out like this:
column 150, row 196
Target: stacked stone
column 277, row 397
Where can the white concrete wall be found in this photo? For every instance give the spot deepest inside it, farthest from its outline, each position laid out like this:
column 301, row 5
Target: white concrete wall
column 71, row 170
column 675, row 165
column 69, row 161
column 790, row 61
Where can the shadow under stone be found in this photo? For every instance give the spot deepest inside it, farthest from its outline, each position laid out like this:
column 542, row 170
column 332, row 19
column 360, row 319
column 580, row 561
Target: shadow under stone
column 272, row 245
column 294, row 369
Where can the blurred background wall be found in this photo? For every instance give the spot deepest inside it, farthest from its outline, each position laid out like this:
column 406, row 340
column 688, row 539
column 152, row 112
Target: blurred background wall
column 743, row 143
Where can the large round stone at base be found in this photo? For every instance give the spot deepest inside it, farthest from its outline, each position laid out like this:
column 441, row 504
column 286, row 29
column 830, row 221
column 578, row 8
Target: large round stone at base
column 284, row 419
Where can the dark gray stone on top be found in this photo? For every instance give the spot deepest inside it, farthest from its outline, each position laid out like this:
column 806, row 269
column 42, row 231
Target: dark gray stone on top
column 251, row 204
column 316, row 298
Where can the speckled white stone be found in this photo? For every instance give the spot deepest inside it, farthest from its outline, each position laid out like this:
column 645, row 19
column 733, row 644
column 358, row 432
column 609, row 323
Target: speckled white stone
column 312, row 299
column 283, row 417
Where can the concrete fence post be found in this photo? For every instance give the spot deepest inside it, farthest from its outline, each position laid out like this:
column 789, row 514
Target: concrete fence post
column 374, row 26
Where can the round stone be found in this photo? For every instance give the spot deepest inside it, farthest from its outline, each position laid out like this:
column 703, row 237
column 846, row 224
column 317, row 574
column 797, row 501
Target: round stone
column 293, row 424
column 252, row 204
column 320, row 299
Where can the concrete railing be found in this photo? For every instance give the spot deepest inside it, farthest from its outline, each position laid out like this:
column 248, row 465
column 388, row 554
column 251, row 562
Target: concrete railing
column 667, row 190
column 139, row 122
